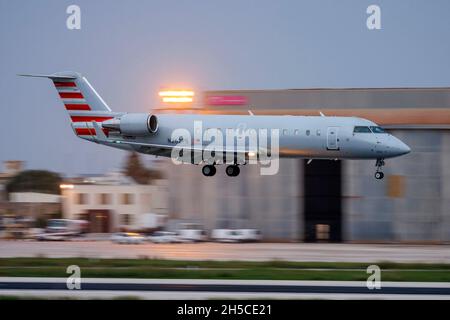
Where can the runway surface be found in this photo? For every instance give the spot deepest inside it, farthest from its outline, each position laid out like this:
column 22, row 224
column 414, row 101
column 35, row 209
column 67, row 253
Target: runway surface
column 189, row 289
column 231, row 251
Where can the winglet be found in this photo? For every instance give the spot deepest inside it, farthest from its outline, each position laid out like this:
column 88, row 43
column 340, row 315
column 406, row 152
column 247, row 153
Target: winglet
column 321, row 114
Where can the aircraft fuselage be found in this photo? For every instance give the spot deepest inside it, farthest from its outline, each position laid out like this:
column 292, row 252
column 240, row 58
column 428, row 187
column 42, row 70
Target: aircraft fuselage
column 308, row 137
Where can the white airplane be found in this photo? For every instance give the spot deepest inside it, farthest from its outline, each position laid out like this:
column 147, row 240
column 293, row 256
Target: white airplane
column 309, row 137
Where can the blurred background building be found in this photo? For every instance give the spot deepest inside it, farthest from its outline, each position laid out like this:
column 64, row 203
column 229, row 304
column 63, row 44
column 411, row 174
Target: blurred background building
column 135, row 199
column 113, row 202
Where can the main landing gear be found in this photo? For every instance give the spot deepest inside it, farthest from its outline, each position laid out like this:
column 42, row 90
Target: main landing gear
column 209, row 170
column 379, row 174
column 231, row 171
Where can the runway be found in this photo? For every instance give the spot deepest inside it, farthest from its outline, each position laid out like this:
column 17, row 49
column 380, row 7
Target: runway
column 231, row 251
column 200, row 289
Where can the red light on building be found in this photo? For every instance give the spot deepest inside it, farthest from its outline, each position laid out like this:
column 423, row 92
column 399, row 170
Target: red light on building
column 226, row 100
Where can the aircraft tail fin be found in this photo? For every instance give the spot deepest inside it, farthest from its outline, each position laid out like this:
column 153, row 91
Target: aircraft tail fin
column 75, row 91
column 80, row 99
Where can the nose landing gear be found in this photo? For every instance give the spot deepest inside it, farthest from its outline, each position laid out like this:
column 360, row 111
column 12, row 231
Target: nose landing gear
column 379, row 164
column 379, row 175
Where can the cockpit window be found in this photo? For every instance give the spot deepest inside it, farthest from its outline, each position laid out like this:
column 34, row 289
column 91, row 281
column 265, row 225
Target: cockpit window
column 377, row 130
column 361, row 129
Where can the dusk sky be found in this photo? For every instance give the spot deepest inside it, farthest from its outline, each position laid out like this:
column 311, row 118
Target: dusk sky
column 130, row 49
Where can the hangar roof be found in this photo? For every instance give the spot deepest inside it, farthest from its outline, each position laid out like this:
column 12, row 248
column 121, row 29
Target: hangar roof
column 406, row 108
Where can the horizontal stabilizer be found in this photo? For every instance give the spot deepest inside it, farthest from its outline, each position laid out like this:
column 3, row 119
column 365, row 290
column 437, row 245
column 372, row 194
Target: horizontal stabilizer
column 50, row 76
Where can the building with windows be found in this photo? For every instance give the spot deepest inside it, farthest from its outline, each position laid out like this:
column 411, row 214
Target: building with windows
column 112, row 203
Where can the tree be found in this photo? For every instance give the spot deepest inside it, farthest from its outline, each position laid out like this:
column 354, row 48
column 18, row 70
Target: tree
column 138, row 172
column 35, row 181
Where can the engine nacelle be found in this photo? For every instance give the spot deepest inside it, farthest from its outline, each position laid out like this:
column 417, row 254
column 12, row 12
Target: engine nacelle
column 133, row 124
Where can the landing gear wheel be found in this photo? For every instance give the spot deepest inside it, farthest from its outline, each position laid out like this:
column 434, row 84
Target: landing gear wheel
column 232, row 171
column 209, row 170
column 379, row 175
column 379, row 164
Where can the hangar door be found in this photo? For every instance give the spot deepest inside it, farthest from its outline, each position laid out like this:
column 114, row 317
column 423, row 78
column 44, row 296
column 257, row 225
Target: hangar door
column 322, row 206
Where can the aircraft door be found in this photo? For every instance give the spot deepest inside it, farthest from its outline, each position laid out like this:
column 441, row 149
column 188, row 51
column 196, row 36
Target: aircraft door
column 332, row 138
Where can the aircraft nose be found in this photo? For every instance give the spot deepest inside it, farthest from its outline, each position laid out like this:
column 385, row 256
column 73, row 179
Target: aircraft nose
column 405, row 149
column 401, row 148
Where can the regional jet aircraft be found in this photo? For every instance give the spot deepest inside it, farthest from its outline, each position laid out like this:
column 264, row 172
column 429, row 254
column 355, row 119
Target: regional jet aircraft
column 309, row 137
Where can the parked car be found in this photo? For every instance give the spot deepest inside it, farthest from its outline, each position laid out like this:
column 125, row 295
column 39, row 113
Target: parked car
column 193, row 235
column 67, row 226
column 164, row 237
column 127, row 238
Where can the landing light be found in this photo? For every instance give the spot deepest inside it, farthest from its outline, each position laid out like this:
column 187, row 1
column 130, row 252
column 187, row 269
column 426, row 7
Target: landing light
column 177, row 99
column 66, row 186
column 176, row 93
column 177, row 96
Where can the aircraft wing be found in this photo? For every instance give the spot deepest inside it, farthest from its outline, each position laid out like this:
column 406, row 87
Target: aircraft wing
column 181, row 147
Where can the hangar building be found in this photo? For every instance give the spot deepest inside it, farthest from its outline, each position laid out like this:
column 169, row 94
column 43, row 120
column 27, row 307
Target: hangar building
column 331, row 201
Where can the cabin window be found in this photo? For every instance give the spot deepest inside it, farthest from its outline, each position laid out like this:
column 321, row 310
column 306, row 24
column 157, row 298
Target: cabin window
column 308, row 132
column 361, row 129
column 377, row 129
column 285, row 132
column 296, row 132
column 318, row 132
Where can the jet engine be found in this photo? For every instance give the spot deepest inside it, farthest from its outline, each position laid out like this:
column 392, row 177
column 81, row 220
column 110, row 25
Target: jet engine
column 133, row 124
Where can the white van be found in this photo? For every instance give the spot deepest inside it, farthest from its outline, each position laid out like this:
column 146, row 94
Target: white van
column 249, row 235
column 236, row 235
column 164, row 237
column 194, row 235
column 224, row 235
